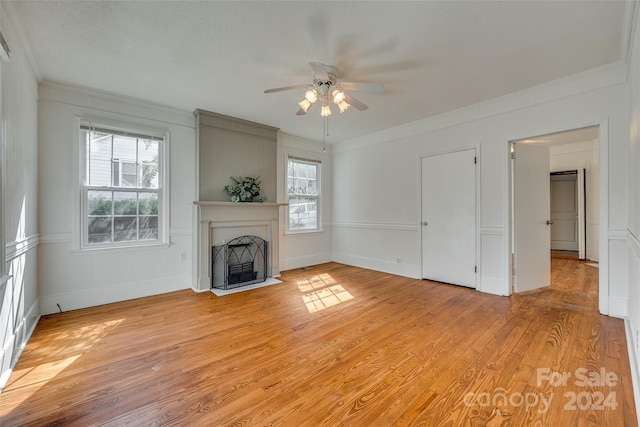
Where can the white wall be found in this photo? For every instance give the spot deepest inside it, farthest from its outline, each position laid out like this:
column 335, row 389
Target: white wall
column 577, row 156
column 74, row 278
column 303, row 249
column 377, row 191
column 376, row 201
column 19, row 310
column 633, row 230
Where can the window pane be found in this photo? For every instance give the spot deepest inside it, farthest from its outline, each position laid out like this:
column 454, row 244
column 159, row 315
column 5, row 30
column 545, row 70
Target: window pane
column 302, row 178
column 129, row 174
column 312, row 187
column 124, row 151
column 124, row 203
column 124, row 147
column 148, row 152
column 125, row 228
column 303, row 213
column 148, row 227
column 148, row 203
column 98, row 161
column 99, row 203
column 149, row 175
column 99, row 230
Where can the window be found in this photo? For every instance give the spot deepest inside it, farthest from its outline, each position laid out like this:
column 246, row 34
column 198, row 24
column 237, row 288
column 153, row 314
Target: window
column 303, row 193
column 122, row 191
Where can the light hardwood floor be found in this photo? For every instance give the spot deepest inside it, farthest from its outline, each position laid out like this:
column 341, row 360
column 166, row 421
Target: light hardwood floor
column 335, row 345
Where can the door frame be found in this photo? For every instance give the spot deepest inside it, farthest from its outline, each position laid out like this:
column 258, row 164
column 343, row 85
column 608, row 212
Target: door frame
column 476, row 147
column 603, row 207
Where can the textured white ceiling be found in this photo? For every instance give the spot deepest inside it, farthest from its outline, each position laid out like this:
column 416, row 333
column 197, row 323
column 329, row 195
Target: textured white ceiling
column 432, row 57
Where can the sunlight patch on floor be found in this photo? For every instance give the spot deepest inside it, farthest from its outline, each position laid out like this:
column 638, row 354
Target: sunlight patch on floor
column 38, row 377
column 29, row 379
column 322, row 291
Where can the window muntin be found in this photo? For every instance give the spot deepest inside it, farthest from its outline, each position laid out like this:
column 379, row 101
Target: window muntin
column 303, row 193
column 121, row 191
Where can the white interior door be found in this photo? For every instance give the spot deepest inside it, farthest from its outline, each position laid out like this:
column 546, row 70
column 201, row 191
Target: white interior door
column 564, row 211
column 531, row 212
column 449, row 218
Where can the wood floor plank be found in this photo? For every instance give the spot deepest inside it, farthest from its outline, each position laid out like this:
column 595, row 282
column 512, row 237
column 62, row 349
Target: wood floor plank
column 334, row 345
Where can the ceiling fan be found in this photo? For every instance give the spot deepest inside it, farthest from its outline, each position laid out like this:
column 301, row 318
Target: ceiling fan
column 326, row 88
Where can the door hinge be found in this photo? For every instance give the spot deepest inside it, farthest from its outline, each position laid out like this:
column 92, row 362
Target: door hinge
column 475, row 160
column 475, row 269
column 513, row 155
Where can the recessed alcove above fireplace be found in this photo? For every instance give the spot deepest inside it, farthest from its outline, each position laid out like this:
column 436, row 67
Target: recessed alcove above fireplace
column 228, row 146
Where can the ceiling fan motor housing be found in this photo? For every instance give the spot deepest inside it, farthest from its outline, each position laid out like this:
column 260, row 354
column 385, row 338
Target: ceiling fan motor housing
column 331, row 80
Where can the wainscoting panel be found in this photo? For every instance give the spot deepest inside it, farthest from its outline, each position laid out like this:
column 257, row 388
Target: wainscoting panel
column 392, row 248
column 493, row 261
column 618, row 273
column 20, row 309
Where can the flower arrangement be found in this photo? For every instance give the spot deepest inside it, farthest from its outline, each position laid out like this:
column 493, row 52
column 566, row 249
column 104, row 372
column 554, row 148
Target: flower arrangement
column 245, row 189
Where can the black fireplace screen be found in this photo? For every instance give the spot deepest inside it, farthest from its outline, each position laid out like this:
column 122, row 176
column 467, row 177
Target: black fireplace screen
column 240, row 262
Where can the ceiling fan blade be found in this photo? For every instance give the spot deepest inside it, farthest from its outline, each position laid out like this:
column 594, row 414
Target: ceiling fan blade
column 368, row 87
column 280, row 89
column 319, row 71
column 355, row 103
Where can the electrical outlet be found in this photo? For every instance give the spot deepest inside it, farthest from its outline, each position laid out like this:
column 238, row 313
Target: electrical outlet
column 398, row 260
column 183, row 256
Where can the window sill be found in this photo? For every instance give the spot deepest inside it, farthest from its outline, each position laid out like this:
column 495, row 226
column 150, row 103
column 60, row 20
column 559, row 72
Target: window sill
column 302, row 232
column 123, row 248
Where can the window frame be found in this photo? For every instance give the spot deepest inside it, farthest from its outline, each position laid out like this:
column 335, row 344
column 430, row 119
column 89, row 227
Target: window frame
column 319, row 228
column 81, row 223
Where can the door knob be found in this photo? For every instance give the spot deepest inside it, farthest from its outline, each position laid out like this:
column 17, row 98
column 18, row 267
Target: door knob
column 549, row 222
column 425, row 223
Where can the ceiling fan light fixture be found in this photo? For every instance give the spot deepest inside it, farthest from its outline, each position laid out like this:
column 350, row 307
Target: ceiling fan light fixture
column 304, row 104
column 326, row 110
column 338, row 96
column 311, row 96
column 343, row 106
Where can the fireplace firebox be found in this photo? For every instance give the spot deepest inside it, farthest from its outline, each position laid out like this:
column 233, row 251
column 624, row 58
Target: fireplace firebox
column 240, row 262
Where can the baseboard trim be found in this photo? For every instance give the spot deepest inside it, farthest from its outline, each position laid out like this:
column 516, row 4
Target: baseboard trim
column 114, row 293
column 406, row 270
column 493, row 286
column 633, row 364
column 304, row 261
column 617, row 307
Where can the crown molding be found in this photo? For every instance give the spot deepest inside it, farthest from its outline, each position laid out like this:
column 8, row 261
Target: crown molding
column 583, row 82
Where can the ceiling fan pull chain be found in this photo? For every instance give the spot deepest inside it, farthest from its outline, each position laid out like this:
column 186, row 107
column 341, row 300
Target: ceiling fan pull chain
column 325, row 134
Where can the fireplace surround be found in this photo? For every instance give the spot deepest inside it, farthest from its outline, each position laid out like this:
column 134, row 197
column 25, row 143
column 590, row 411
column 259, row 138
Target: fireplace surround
column 219, row 223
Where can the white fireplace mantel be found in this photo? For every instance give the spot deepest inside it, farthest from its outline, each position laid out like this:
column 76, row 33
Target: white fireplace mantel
column 241, row 205
column 211, row 215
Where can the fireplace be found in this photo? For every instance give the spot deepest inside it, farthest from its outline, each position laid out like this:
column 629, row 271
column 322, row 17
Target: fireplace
column 218, row 224
column 240, row 262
